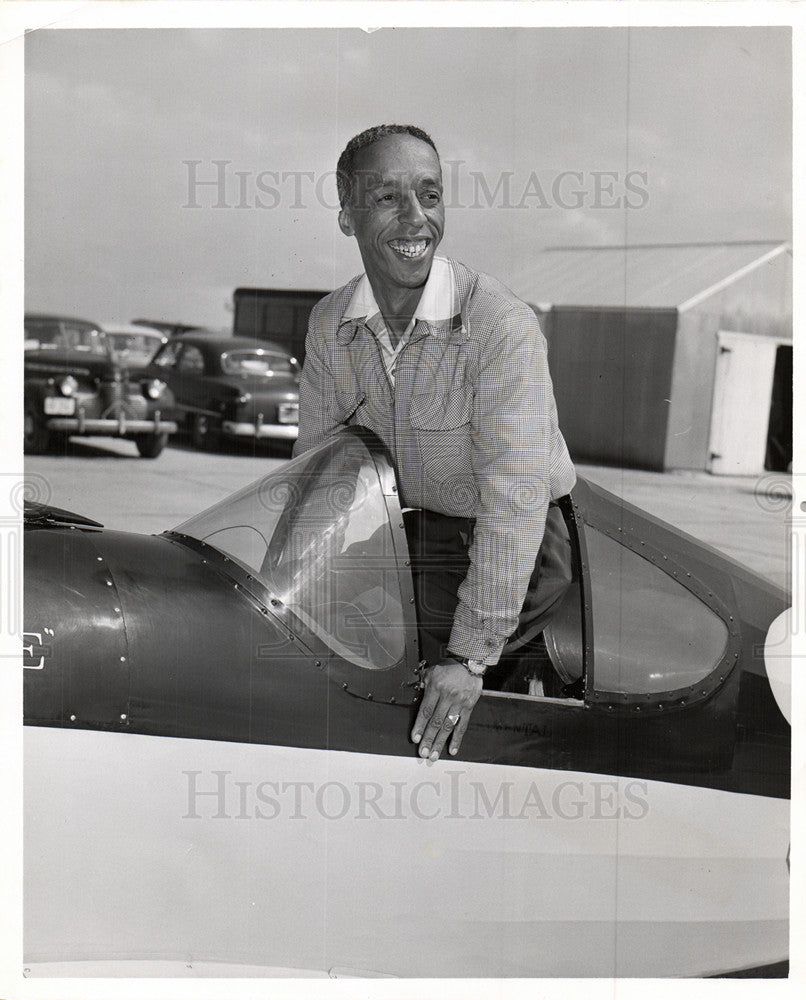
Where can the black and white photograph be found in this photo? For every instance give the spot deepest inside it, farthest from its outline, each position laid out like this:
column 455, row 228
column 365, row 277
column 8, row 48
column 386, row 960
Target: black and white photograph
column 400, row 518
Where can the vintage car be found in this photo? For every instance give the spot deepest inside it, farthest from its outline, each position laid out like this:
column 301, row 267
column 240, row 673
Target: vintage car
column 220, row 780
column 75, row 384
column 134, row 346
column 230, row 387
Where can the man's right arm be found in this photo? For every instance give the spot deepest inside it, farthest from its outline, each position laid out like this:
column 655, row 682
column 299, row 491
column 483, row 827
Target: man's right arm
column 317, row 391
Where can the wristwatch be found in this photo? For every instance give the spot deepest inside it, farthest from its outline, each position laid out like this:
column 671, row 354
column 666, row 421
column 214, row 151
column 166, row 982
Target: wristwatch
column 475, row 667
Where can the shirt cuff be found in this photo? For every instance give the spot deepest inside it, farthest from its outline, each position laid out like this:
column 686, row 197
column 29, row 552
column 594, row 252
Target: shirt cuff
column 475, row 644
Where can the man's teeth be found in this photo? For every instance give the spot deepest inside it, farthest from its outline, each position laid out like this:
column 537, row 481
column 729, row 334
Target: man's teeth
column 409, row 248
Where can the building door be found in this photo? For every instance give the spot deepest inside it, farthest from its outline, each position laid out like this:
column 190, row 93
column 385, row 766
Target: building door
column 779, row 435
column 740, row 416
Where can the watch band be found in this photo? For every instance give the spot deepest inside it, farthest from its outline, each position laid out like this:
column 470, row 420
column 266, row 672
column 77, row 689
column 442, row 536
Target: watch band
column 475, row 667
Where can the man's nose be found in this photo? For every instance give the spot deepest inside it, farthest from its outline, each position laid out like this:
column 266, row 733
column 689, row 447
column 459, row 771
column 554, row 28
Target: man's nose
column 411, row 211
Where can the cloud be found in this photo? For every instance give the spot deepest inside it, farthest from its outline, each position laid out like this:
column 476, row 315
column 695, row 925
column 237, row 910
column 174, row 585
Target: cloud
column 113, row 116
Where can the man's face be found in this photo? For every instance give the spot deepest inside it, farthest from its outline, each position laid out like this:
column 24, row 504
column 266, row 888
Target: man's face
column 396, row 211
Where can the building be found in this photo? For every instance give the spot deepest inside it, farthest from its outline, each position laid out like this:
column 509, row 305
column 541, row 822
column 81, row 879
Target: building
column 670, row 355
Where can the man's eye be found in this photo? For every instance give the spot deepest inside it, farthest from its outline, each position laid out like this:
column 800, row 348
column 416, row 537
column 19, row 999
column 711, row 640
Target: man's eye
column 386, row 199
column 432, row 197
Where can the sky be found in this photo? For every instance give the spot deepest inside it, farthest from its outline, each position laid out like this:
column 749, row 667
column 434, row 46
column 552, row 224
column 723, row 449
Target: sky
column 164, row 168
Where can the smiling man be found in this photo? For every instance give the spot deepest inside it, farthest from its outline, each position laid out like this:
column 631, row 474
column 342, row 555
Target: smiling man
column 449, row 369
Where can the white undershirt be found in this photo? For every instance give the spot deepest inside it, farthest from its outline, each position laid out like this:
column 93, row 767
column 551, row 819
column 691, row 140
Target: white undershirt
column 438, row 302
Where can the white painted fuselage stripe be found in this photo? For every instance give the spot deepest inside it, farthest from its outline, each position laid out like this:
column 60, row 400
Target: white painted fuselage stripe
column 167, row 849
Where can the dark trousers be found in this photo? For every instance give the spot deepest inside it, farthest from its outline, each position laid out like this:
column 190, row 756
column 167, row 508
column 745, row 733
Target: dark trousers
column 439, row 560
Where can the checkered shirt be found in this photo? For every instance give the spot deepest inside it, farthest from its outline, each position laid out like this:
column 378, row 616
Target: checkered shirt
column 471, row 426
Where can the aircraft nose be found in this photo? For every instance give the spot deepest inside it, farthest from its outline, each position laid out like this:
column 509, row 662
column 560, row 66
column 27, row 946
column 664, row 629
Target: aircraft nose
column 778, row 661
column 76, row 649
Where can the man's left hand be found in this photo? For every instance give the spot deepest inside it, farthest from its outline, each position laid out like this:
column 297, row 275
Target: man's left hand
column 450, row 694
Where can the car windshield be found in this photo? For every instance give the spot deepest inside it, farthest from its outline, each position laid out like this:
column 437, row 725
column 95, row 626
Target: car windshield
column 257, row 362
column 64, row 335
column 316, row 533
column 135, row 346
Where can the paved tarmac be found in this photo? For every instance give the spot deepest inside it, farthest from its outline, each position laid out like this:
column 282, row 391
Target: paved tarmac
column 104, row 479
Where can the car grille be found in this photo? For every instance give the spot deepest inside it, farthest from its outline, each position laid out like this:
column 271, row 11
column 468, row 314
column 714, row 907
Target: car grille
column 116, row 396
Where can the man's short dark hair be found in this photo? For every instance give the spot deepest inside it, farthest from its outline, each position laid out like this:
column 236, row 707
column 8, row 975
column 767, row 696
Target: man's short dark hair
column 345, row 170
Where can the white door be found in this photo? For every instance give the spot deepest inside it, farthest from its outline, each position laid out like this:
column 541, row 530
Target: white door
column 740, row 415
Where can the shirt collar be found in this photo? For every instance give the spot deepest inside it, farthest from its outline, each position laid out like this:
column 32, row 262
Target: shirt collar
column 439, row 306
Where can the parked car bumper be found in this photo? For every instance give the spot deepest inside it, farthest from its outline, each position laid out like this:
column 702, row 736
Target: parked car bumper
column 284, row 432
column 120, row 425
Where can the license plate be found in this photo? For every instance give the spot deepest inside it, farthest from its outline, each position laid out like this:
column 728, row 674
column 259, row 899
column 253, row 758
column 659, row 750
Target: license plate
column 288, row 413
column 59, row 406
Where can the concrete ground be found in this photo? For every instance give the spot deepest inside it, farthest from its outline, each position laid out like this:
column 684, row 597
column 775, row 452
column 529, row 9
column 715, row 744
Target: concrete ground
column 748, row 518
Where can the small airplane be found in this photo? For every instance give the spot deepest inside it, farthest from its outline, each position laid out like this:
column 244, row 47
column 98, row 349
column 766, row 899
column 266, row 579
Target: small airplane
column 220, row 781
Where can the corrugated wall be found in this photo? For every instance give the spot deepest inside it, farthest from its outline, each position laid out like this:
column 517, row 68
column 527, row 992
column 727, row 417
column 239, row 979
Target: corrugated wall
column 692, row 391
column 612, row 373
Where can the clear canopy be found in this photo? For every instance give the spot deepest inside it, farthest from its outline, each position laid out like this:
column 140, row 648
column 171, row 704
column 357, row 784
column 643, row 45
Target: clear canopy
column 650, row 633
column 316, row 533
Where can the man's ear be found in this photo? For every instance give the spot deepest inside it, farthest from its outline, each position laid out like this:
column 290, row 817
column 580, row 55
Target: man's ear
column 346, row 221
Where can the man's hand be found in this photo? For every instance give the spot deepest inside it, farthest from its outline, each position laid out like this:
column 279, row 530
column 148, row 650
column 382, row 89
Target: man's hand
column 451, row 691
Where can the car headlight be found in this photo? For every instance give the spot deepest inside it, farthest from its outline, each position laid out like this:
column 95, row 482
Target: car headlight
column 68, row 385
column 243, row 398
column 155, row 388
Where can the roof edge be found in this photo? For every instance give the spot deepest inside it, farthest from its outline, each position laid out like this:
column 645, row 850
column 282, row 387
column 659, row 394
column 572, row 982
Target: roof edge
column 670, row 246
column 729, row 279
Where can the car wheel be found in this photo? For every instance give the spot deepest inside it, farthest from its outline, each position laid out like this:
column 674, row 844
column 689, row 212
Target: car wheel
column 204, row 432
column 58, row 442
column 36, row 437
column 150, row 445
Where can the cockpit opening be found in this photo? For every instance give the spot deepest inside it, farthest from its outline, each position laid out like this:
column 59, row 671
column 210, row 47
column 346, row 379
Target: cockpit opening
column 317, row 535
